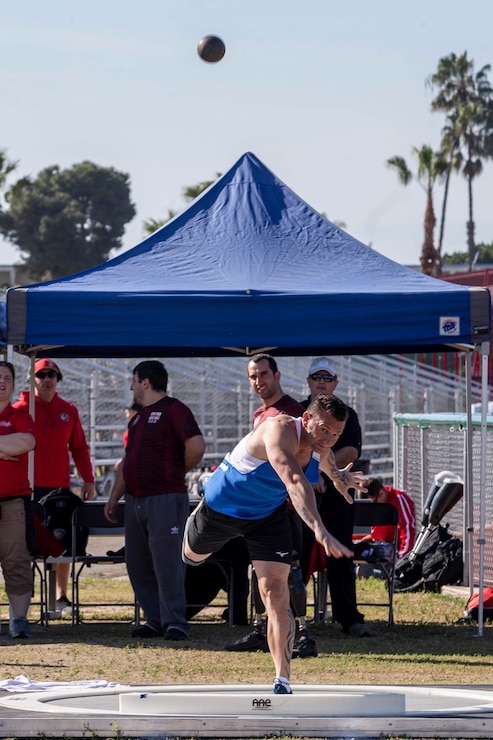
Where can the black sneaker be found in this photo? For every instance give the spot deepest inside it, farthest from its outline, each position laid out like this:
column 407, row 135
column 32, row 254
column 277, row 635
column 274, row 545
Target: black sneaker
column 63, row 605
column 145, row 631
column 359, row 629
column 305, row 647
column 253, row 641
column 175, row 634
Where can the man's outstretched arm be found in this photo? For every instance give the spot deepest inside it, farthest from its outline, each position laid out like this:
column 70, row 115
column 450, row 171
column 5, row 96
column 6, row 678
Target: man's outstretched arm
column 343, row 479
column 281, row 445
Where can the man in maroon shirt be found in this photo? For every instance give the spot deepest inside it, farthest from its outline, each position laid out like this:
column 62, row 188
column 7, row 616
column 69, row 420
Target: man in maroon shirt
column 336, row 512
column 164, row 443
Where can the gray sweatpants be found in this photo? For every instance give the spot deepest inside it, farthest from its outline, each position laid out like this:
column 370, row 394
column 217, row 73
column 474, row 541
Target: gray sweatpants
column 153, row 537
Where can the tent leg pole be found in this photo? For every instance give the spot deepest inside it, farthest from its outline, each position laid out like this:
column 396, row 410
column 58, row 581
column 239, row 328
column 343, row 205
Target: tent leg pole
column 485, row 349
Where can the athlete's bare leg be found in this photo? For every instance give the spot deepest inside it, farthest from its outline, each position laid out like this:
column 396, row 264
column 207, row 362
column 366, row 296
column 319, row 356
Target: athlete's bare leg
column 274, row 590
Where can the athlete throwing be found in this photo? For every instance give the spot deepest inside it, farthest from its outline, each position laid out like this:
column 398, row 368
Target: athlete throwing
column 246, row 496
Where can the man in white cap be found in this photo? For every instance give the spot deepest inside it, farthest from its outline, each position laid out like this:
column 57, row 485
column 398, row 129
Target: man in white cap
column 58, row 433
column 335, row 511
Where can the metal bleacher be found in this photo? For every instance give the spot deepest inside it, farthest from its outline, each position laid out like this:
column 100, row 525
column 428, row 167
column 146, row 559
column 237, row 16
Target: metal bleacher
column 218, row 392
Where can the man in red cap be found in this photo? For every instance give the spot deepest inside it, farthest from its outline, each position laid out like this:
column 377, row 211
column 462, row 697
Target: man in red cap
column 58, row 432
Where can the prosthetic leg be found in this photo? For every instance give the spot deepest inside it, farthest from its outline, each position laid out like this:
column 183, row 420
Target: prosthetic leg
column 304, row 645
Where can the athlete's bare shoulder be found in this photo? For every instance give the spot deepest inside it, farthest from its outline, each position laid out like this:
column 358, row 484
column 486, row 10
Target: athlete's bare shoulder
column 278, row 430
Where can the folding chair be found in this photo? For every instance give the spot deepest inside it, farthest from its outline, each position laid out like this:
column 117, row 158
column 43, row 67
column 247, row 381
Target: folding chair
column 91, row 515
column 383, row 555
column 366, row 514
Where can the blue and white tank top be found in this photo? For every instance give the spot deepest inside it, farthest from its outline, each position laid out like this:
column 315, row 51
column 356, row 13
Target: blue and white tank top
column 245, row 487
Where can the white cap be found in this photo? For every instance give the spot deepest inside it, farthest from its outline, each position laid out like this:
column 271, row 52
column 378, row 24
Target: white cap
column 322, row 363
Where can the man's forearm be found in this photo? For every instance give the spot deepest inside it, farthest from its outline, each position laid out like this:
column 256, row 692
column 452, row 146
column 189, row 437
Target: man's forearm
column 337, row 476
column 118, row 489
column 17, row 443
column 305, row 505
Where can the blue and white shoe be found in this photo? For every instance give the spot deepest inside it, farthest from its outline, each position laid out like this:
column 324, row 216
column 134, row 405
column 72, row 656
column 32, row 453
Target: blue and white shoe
column 280, row 687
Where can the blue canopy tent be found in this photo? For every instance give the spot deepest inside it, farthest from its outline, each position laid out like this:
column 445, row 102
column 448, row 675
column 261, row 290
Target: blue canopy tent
column 250, row 266
column 247, row 265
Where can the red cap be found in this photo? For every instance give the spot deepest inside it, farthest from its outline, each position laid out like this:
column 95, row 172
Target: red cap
column 45, row 363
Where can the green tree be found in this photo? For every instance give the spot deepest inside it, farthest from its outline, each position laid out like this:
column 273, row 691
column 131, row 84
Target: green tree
column 467, row 97
column 484, row 254
column 189, row 193
column 431, row 167
column 6, row 168
column 153, row 224
column 65, row 221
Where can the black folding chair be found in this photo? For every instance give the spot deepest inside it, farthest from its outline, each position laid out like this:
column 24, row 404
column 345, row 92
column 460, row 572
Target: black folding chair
column 382, row 555
column 366, row 515
column 91, row 515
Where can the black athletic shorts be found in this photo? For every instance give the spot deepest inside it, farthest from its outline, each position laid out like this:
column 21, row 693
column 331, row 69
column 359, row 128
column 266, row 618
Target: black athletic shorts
column 267, row 539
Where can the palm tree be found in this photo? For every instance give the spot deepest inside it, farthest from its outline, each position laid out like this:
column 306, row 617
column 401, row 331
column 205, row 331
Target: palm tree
column 468, row 99
column 153, row 224
column 450, row 148
column 431, row 166
column 192, row 191
column 189, row 193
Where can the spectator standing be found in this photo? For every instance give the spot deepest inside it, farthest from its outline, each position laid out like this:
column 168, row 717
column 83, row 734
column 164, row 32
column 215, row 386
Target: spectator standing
column 130, row 412
column 336, row 512
column 164, row 443
column 17, row 438
column 246, row 496
column 265, row 380
column 406, row 525
column 59, row 433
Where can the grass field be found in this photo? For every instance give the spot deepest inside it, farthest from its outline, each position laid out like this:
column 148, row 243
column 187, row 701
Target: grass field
column 428, row 644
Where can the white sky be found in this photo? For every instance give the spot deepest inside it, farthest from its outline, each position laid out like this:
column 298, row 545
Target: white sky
column 322, row 92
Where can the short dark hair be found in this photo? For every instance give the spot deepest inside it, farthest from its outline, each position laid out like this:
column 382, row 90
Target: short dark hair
column 331, row 404
column 4, row 363
column 373, row 487
column 264, row 356
column 155, row 372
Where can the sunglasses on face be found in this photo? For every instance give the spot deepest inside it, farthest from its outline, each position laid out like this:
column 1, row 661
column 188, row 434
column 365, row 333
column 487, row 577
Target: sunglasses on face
column 46, row 374
column 327, row 378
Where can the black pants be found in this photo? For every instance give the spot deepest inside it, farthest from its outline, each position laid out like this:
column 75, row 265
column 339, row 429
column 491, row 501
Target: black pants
column 203, row 584
column 337, row 516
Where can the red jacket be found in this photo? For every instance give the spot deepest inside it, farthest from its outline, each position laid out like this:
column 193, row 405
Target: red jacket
column 14, row 480
column 58, row 431
column 406, row 525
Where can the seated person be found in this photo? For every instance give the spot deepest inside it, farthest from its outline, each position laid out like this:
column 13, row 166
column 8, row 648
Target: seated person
column 380, row 494
column 203, row 584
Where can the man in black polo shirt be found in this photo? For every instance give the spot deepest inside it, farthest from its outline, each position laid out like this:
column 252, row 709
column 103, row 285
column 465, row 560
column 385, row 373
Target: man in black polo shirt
column 336, row 513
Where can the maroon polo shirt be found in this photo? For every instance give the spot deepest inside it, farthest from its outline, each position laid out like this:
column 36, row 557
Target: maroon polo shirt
column 154, row 460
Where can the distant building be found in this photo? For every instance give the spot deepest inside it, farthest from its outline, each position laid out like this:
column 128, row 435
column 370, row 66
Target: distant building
column 13, row 275
column 479, row 278
column 8, row 274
